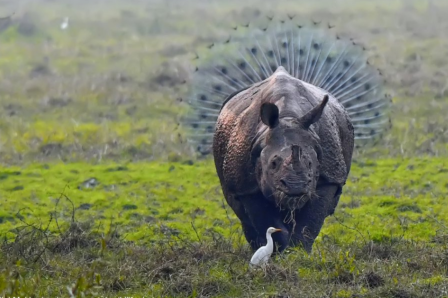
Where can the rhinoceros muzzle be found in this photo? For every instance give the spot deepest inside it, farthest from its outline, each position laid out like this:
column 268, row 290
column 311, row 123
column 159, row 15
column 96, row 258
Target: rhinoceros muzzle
column 292, row 202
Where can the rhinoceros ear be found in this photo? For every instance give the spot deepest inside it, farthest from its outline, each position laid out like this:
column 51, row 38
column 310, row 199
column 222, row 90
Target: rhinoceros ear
column 269, row 114
column 315, row 114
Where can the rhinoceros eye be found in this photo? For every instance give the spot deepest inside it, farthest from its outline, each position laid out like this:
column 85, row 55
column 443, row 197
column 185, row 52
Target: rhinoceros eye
column 274, row 164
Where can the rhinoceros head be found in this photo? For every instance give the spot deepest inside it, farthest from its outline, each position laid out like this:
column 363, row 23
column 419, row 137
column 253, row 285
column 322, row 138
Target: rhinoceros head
column 288, row 166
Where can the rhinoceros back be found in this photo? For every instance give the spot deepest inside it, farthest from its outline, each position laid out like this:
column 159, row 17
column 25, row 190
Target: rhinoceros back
column 309, row 52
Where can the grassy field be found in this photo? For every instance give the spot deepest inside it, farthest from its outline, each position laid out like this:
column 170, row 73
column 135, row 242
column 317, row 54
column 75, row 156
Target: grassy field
column 100, row 195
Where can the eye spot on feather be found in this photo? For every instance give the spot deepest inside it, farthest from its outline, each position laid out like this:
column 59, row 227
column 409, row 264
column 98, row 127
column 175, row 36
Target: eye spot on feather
column 370, row 105
column 346, row 63
column 367, row 86
column 284, row 44
column 273, row 67
column 366, row 121
column 203, row 116
column 224, row 70
column 301, row 52
column 353, row 79
column 377, row 114
column 372, row 132
column 209, row 129
column 194, row 125
column 329, row 60
column 283, row 60
column 202, row 97
column 217, row 88
column 359, row 97
column 253, row 51
column 313, row 62
column 204, row 141
column 242, row 65
column 316, row 46
column 270, row 54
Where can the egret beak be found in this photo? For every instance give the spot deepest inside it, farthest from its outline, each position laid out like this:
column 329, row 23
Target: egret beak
column 278, row 230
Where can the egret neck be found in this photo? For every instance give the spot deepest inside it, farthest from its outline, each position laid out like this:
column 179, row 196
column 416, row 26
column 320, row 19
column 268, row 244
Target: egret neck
column 270, row 244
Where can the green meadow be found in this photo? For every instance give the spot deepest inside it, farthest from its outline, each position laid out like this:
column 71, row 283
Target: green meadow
column 101, row 195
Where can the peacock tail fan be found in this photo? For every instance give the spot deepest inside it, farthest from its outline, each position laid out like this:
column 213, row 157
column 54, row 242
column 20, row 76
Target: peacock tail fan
column 310, row 52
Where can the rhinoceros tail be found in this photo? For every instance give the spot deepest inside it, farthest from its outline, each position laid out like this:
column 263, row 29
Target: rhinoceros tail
column 310, row 52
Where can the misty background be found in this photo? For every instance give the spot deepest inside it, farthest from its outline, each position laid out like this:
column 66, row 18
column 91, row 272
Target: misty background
column 110, row 83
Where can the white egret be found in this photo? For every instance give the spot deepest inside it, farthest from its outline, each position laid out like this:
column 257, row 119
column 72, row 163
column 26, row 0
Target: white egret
column 64, row 24
column 262, row 255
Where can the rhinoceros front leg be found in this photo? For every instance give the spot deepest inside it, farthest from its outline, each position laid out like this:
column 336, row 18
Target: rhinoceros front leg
column 261, row 215
column 310, row 219
column 251, row 234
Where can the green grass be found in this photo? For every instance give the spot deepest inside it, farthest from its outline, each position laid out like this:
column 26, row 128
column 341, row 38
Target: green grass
column 381, row 197
column 392, row 209
column 101, row 100
column 140, row 196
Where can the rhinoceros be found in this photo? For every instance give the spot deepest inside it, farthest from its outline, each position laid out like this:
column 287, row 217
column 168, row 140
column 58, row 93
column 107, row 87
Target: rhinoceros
column 281, row 118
